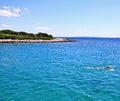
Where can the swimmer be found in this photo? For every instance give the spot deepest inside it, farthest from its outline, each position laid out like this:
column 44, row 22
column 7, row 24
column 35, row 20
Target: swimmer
column 111, row 68
column 108, row 67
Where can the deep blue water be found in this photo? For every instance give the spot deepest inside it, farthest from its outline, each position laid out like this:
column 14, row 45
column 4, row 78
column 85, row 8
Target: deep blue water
column 58, row 71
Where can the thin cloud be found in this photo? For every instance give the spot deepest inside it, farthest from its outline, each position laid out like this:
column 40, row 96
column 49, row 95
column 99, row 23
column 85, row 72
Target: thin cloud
column 6, row 26
column 6, row 7
column 11, row 11
column 17, row 10
column 26, row 10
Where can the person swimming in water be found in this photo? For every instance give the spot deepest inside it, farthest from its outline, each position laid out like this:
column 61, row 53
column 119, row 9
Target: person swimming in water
column 102, row 68
column 109, row 67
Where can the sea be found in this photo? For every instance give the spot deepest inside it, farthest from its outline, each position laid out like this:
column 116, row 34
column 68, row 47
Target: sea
column 64, row 71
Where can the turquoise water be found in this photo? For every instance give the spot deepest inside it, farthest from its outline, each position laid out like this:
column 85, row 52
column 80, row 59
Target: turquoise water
column 57, row 71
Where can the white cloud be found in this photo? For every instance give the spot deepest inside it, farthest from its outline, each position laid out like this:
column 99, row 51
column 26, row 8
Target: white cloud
column 11, row 11
column 8, row 13
column 43, row 28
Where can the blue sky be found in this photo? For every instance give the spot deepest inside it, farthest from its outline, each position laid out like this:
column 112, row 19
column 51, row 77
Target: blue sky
column 98, row 18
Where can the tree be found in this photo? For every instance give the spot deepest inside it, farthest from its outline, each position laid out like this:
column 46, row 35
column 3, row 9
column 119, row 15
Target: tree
column 44, row 36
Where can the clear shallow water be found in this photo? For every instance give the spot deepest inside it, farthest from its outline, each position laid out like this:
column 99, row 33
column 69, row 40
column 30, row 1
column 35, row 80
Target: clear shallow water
column 57, row 71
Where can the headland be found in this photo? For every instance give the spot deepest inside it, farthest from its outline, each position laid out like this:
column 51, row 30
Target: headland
column 35, row 41
column 10, row 36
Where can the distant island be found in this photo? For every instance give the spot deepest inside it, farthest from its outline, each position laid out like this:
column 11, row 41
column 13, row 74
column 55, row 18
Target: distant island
column 10, row 36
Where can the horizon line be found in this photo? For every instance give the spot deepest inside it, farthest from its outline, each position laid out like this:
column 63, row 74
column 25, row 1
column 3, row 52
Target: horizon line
column 86, row 37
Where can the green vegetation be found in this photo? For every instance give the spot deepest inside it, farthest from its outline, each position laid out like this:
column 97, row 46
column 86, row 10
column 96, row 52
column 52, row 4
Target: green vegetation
column 9, row 34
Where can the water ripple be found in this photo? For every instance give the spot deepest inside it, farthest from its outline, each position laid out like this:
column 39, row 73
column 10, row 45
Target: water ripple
column 56, row 72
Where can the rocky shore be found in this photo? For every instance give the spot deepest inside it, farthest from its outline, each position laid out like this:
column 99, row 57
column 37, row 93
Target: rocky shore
column 35, row 41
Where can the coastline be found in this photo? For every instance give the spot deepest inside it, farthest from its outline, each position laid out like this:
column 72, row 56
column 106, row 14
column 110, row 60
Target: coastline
column 35, row 41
